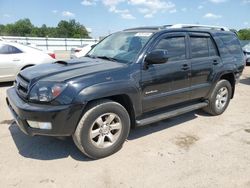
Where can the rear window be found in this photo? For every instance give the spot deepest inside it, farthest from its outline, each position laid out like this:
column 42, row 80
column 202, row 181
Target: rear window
column 202, row 47
column 231, row 45
column 8, row 49
column 199, row 47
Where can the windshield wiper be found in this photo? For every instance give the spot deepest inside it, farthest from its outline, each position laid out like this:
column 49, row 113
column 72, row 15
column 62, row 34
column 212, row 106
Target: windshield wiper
column 107, row 58
column 90, row 56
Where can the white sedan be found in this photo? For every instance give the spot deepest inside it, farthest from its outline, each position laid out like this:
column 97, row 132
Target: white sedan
column 15, row 57
column 246, row 50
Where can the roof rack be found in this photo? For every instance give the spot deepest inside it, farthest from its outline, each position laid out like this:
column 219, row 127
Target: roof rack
column 175, row 26
column 143, row 28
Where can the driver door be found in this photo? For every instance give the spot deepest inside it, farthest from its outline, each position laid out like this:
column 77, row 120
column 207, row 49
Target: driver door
column 168, row 83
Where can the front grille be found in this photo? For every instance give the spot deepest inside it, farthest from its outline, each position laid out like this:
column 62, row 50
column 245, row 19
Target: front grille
column 22, row 86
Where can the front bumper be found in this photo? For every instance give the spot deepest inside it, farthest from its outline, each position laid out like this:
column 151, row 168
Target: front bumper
column 248, row 60
column 64, row 118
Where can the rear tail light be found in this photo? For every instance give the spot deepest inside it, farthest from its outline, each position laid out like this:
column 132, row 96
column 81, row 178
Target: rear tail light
column 53, row 55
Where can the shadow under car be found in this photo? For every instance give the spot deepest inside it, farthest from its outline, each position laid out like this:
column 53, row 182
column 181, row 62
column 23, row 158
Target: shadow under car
column 50, row 148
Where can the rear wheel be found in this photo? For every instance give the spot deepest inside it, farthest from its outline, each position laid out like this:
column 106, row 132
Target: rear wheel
column 103, row 129
column 220, row 98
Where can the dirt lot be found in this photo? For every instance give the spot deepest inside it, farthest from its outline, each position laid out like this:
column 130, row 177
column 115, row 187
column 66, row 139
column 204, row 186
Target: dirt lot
column 193, row 150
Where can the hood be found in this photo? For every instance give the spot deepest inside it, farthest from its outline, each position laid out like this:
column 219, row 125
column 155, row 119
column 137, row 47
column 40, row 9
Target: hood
column 61, row 71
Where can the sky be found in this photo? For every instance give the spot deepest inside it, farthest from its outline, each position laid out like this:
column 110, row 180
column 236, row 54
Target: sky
column 103, row 17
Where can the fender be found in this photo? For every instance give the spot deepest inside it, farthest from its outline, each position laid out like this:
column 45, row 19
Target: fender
column 109, row 89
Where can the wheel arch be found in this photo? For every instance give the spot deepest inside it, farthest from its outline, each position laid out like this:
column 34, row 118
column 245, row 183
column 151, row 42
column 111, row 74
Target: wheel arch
column 122, row 99
column 231, row 78
column 123, row 92
column 126, row 102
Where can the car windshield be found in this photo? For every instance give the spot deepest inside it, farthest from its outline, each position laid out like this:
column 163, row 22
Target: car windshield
column 122, row 47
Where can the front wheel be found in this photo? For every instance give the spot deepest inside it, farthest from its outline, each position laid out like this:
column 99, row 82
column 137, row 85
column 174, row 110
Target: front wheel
column 220, row 98
column 102, row 129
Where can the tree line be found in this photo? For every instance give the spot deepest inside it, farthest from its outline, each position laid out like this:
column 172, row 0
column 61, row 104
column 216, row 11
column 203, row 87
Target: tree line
column 244, row 34
column 64, row 29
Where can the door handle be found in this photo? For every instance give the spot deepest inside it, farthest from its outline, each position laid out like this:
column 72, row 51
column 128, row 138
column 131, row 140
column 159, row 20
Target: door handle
column 185, row 67
column 215, row 62
column 16, row 60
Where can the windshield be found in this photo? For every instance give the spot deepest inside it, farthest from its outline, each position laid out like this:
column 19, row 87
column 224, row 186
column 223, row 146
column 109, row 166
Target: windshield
column 122, row 46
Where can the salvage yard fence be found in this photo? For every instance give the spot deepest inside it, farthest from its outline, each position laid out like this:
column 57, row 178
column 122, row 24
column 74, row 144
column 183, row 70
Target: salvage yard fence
column 54, row 44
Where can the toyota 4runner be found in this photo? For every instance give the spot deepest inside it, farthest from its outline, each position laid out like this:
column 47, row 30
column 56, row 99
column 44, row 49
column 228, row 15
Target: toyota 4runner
column 131, row 78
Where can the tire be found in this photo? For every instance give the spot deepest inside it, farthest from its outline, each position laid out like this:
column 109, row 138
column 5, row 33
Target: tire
column 103, row 129
column 219, row 98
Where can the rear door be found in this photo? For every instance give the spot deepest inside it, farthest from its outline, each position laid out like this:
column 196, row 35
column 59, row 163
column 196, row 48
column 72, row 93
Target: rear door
column 168, row 83
column 204, row 57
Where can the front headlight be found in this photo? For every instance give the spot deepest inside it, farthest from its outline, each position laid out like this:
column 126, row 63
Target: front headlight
column 46, row 91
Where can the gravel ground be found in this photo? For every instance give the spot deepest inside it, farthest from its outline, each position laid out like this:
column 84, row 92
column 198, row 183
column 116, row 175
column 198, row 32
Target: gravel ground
column 192, row 150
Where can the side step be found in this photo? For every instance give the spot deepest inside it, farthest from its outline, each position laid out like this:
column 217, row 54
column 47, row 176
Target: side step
column 169, row 114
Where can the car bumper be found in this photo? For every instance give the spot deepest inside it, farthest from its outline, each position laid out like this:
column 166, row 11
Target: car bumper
column 248, row 60
column 63, row 118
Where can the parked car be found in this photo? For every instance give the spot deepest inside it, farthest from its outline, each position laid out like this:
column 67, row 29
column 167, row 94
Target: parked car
column 131, row 78
column 246, row 50
column 81, row 52
column 15, row 57
column 49, row 52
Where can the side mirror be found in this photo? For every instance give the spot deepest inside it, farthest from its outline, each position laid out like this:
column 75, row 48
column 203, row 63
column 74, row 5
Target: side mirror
column 157, row 57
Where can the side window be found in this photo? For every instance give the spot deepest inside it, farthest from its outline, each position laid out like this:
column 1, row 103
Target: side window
column 175, row 46
column 4, row 49
column 8, row 49
column 199, row 47
column 14, row 50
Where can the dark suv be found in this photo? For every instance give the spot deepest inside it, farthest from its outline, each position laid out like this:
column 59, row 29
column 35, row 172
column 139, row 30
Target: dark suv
column 131, row 78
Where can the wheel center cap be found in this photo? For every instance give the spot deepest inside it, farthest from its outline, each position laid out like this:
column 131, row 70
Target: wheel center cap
column 105, row 129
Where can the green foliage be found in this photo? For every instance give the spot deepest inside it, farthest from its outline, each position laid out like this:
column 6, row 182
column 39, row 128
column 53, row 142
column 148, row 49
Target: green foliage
column 244, row 34
column 22, row 27
column 64, row 29
column 71, row 29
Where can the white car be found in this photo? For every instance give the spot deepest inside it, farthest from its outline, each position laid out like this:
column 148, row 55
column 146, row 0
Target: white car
column 246, row 50
column 83, row 51
column 15, row 57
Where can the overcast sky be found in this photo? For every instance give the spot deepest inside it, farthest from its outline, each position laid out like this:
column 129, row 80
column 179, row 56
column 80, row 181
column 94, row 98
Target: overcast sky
column 106, row 16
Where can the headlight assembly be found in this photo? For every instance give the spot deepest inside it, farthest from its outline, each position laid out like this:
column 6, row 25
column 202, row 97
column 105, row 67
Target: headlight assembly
column 46, row 91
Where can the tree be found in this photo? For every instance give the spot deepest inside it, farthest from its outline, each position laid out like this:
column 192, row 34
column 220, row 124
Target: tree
column 72, row 29
column 65, row 29
column 2, row 29
column 22, row 27
column 244, row 34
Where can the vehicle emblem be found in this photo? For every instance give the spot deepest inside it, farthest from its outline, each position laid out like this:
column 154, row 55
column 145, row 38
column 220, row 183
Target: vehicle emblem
column 151, row 92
